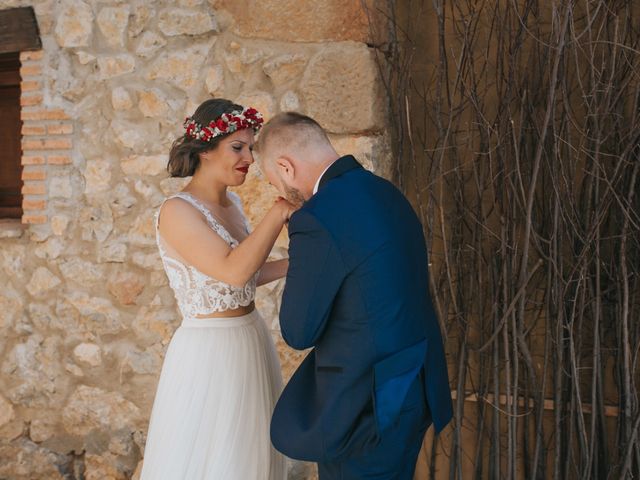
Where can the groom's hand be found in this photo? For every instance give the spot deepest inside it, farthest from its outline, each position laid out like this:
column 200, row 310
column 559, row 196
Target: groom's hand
column 287, row 208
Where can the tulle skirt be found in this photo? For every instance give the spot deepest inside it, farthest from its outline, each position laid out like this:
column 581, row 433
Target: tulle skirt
column 211, row 414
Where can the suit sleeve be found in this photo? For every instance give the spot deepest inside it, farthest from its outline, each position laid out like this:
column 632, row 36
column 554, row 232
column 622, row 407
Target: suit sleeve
column 316, row 271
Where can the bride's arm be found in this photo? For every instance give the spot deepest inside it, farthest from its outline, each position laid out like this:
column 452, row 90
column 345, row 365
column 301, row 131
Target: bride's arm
column 186, row 231
column 274, row 270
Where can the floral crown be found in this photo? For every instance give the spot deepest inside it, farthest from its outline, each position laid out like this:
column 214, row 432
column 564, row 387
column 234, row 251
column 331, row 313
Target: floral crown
column 226, row 123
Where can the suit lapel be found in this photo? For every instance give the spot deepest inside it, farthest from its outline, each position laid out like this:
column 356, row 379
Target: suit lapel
column 339, row 167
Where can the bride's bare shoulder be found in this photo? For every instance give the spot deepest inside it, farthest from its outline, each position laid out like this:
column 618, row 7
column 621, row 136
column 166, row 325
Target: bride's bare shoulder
column 176, row 211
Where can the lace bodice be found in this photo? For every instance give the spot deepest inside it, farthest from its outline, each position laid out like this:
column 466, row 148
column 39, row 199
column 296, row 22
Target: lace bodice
column 198, row 294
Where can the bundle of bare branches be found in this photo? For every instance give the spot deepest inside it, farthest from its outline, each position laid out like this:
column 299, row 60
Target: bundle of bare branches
column 518, row 134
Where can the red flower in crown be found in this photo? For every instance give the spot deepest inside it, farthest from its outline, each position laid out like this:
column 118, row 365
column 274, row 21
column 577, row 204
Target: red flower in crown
column 207, row 133
column 221, row 125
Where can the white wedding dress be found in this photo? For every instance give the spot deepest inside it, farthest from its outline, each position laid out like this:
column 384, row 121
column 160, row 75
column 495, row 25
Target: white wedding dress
column 219, row 381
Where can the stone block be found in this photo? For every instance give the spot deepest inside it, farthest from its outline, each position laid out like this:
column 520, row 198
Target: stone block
column 299, row 20
column 126, row 287
column 97, row 176
column 59, row 224
column 140, row 17
column 131, row 135
column 88, row 353
column 112, row 252
column 285, row 68
column 12, row 260
column 94, row 408
column 25, row 460
column 143, row 230
column 149, row 44
column 42, row 281
column 121, row 99
column 112, row 22
column 289, row 102
column 147, row 261
column 214, row 80
column 147, row 362
column 150, row 192
column 85, row 57
column 49, row 249
column 184, row 21
column 96, row 223
column 111, row 66
column 42, row 429
column 7, row 413
column 74, row 25
column 12, row 307
column 104, row 467
column 181, row 67
column 122, row 200
column 144, row 164
column 99, row 316
column 152, row 103
column 342, row 91
column 153, row 325
column 82, row 271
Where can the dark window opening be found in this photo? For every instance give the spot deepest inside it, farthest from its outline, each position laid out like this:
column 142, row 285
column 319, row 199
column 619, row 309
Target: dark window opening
column 10, row 137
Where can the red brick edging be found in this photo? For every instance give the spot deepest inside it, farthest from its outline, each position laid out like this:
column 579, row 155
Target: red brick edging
column 46, row 139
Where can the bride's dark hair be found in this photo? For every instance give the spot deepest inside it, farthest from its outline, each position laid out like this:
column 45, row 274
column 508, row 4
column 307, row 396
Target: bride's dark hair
column 184, row 157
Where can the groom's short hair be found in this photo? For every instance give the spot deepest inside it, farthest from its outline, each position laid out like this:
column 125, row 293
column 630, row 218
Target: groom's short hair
column 291, row 131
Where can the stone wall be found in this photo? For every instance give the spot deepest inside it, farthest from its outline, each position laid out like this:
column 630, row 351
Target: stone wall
column 85, row 309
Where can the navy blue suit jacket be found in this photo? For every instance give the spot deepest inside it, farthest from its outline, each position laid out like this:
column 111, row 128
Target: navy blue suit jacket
column 357, row 291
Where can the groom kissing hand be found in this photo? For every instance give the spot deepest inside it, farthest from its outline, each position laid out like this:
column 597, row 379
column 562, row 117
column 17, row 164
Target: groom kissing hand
column 357, row 292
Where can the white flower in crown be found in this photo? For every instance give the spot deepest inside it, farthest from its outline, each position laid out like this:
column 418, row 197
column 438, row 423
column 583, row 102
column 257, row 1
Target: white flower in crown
column 225, row 124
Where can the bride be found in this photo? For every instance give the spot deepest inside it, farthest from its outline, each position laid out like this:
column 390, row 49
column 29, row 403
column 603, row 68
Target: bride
column 221, row 376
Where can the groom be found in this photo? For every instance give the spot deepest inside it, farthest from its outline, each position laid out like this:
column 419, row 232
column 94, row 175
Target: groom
column 357, row 291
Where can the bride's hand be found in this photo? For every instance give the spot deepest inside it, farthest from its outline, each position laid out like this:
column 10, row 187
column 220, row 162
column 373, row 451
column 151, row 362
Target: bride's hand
column 285, row 208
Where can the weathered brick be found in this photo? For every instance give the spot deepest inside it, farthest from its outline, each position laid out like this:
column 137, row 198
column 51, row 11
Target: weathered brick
column 44, row 115
column 30, row 85
column 33, row 160
column 35, row 188
column 33, row 130
column 60, row 129
column 30, row 71
column 34, row 204
column 58, row 159
column 30, row 100
column 34, row 55
column 34, row 219
column 34, row 175
column 47, row 144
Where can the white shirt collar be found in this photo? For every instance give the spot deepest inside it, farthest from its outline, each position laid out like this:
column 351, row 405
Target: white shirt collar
column 317, row 185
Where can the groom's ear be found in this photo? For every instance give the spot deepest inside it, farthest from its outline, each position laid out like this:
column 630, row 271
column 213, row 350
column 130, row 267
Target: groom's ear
column 285, row 165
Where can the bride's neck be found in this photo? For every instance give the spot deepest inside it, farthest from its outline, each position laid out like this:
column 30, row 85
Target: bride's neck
column 208, row 191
